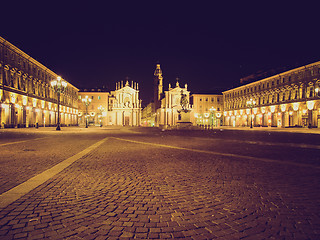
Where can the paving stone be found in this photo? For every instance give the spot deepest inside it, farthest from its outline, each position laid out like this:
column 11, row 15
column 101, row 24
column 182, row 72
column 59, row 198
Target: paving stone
column 129, row 190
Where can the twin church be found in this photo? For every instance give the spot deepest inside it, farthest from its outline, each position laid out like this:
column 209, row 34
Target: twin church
column 122, row 107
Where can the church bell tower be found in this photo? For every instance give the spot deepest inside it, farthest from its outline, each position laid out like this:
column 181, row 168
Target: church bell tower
column 158, row 87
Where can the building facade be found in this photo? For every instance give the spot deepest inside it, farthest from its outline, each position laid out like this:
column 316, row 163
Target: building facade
column 171, row 110
column 121, row 107
column 27, row 98
column 207, row 110
column 148, row 116
column 95, row 111
column 289, row 99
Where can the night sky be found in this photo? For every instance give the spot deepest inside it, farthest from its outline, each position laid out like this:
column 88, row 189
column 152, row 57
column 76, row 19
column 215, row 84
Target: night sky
column 208, row 46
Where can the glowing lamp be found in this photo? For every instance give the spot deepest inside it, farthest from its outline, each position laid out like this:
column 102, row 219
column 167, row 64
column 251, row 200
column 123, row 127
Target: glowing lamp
column 295, row 106
column 310, row 105
column 283, row 107
column 24, row 100
column 272, row 108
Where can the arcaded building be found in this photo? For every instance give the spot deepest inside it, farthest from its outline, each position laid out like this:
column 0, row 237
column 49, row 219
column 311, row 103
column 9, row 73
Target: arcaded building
column 27, row 98
column 288, row 99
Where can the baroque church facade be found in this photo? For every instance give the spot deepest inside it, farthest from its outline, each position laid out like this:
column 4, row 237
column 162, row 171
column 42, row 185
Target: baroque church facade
column 121, row 107
column 169, row 108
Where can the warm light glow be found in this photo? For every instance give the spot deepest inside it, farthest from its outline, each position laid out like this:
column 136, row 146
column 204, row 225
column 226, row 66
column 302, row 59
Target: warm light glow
column 17, row 105
column 24, row 100
column 42, row 104
column 283, row 107
column 255, row 110
column 196, row 115
column 13, row 98
column 218, row 115
column 37, row 110
column 5, row 106
column 241, row 111
column 225, row 114
column 248, row 111
column 295, row 106
column 310, row 105
column 206, row 115
column 263, row 109
column 34, row 102
column 290, row 113
column 304, row 111
column 49, row 105
column 272, row 108
column 251, row 103
column 92, row 113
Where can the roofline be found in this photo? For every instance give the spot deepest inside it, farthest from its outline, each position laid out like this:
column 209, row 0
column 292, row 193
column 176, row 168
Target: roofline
column 29, row 58
column 279, row 74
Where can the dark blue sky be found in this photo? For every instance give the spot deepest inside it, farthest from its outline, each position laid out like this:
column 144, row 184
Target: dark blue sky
column 206, row 45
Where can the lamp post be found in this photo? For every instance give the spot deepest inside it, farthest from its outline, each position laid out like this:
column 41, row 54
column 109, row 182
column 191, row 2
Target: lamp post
column 101, row 109
column 250, row 104
column 59, row 86
column 86, row 101
column 213, row 119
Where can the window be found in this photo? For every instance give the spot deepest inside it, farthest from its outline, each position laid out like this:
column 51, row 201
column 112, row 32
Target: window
column 99, row 97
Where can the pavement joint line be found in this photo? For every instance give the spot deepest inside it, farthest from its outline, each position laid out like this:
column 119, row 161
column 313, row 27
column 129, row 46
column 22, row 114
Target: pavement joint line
column 299, row 145
column 9, row 143
column 223, row 154
column 15, row 193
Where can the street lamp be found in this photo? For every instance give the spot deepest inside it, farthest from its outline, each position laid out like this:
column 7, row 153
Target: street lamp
column 59, row 86
column 213, row 120
column 101, row 109
column 250, row 104
column 86, row 101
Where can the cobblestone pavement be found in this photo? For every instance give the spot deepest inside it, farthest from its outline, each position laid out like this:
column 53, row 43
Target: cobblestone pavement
column 133, row 190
